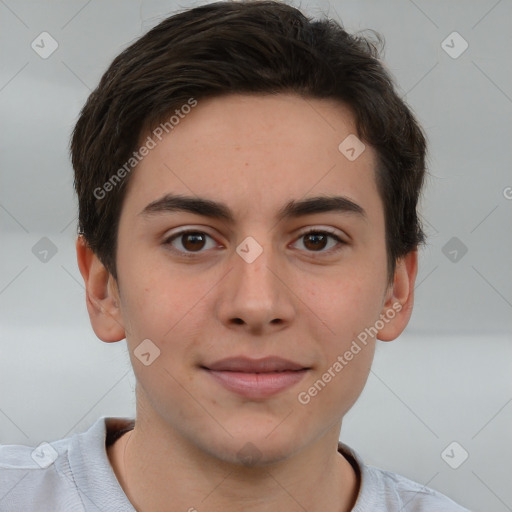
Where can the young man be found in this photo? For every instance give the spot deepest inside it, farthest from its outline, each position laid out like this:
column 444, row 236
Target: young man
column 247, row 182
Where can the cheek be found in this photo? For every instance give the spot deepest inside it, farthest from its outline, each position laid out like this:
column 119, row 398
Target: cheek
column 346, row 304
column 346, row 307
column 163, row 305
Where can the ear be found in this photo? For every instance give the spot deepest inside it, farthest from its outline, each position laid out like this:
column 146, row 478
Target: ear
column 102, row 294
column 399, row 301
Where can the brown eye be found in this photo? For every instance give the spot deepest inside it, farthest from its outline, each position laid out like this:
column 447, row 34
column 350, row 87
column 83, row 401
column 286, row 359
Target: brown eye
column 315, row 241
column 190, row 242
column 193, row 241
column 318, row 241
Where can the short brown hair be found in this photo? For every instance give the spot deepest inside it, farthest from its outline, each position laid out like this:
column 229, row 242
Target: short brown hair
column 262, row 47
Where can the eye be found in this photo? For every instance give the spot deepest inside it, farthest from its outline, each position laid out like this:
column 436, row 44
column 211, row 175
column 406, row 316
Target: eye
column 190, row 241
column 316, row 240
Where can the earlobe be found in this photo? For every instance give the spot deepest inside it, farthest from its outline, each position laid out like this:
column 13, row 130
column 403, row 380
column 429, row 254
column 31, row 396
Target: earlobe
column 102, row 296
column 399, row 302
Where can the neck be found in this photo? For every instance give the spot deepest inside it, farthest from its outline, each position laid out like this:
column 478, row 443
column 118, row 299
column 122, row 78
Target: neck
column 156, row 469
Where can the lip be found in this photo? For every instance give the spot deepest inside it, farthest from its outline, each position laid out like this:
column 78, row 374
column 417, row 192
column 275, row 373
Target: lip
column 248, row 365
column 256, row 378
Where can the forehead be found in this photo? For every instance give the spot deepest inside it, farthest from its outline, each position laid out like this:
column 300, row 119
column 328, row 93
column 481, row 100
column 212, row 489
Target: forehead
column 257, row 151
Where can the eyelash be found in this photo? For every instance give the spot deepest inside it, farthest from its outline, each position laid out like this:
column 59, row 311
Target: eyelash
column 193, row 254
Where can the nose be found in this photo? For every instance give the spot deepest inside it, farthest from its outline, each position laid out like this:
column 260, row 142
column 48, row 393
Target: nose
column 256, row 295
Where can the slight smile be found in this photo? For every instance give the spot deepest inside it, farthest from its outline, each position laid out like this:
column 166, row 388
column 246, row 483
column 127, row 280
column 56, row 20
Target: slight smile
column 256, row 378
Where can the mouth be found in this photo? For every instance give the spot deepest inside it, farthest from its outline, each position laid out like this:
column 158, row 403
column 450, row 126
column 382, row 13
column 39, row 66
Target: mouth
column 256, row 378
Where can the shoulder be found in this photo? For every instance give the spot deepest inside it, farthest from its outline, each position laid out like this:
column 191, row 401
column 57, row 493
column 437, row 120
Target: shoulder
column 35, row 476
column 73, row 473
column 385, row 491
column 66, row 474
column 411, row 496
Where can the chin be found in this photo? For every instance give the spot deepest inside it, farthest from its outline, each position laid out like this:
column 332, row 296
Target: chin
column 254, row 448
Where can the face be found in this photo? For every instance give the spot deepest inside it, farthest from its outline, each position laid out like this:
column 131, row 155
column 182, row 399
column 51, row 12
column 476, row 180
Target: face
column 254, row 305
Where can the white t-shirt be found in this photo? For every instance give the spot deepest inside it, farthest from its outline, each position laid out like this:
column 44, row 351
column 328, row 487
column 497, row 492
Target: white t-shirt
column 74, row 475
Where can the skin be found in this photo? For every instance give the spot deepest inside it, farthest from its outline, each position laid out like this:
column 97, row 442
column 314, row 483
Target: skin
column 295, row 301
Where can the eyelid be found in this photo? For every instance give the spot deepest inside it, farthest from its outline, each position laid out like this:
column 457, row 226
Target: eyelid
column 322, row 229
column 189, row 229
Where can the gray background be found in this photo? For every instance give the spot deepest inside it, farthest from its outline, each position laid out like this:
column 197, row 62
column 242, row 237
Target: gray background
column 448, row 377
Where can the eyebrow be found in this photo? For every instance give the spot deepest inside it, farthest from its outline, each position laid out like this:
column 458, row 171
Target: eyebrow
column 217, row 210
